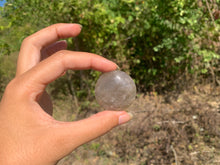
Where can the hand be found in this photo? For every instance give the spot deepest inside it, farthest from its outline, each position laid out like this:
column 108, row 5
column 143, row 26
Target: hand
column 29, row 135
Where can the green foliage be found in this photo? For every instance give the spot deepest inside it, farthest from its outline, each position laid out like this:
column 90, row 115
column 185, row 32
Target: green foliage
column 4, row 48
column 7, row 70
column 155, row 41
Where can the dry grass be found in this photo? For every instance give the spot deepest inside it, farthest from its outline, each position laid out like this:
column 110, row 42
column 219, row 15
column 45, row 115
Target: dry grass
column 175, row 129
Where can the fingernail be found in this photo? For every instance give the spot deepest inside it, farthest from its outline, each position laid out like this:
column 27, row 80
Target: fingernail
column 81, row 26
column 125, row 118
column 118, row 68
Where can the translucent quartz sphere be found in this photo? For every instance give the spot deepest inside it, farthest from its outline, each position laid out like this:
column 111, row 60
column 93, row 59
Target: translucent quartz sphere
column 115, row 90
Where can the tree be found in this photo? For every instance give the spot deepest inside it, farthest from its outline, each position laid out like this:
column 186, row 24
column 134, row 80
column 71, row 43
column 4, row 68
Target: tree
column 159, row 43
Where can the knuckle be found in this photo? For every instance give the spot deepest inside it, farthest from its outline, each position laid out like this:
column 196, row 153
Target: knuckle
column 15, row 88
column 27, row 40
column 61, row 55
column 57, row 24
column 11, row 87
column 56, row 27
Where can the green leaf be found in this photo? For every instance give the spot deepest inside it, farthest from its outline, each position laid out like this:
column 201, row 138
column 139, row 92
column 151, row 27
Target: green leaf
column 130, row 18
column 204, row 71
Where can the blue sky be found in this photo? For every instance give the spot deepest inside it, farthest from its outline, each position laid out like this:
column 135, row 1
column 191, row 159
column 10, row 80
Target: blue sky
column 2, row 2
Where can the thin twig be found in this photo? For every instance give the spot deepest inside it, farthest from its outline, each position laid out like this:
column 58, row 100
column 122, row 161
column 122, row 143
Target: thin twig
column 175, row 155
column 172, row 121
column 140, row 111
column 210, row 13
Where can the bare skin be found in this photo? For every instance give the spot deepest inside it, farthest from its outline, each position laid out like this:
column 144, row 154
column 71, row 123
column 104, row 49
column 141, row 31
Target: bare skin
column 29, row 135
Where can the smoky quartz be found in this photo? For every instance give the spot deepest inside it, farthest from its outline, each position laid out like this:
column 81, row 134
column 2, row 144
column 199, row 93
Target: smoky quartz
column 115, row 90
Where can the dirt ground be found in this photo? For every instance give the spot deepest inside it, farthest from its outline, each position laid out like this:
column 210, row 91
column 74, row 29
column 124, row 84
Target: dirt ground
column 174, row 129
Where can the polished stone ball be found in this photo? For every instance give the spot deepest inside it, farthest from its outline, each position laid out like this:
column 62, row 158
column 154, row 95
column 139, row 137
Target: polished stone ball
column 115, row 90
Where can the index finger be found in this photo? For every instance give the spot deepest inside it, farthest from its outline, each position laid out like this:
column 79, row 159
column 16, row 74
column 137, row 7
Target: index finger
column 54, row 66
column 29, row 54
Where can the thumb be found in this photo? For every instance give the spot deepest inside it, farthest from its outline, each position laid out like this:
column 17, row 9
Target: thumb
column 73, row 134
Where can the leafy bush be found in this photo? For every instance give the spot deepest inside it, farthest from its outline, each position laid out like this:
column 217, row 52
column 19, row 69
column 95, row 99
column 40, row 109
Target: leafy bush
column 160, row 43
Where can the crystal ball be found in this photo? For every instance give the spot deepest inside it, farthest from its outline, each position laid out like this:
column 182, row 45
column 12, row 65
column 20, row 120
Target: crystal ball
column 115, row 90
